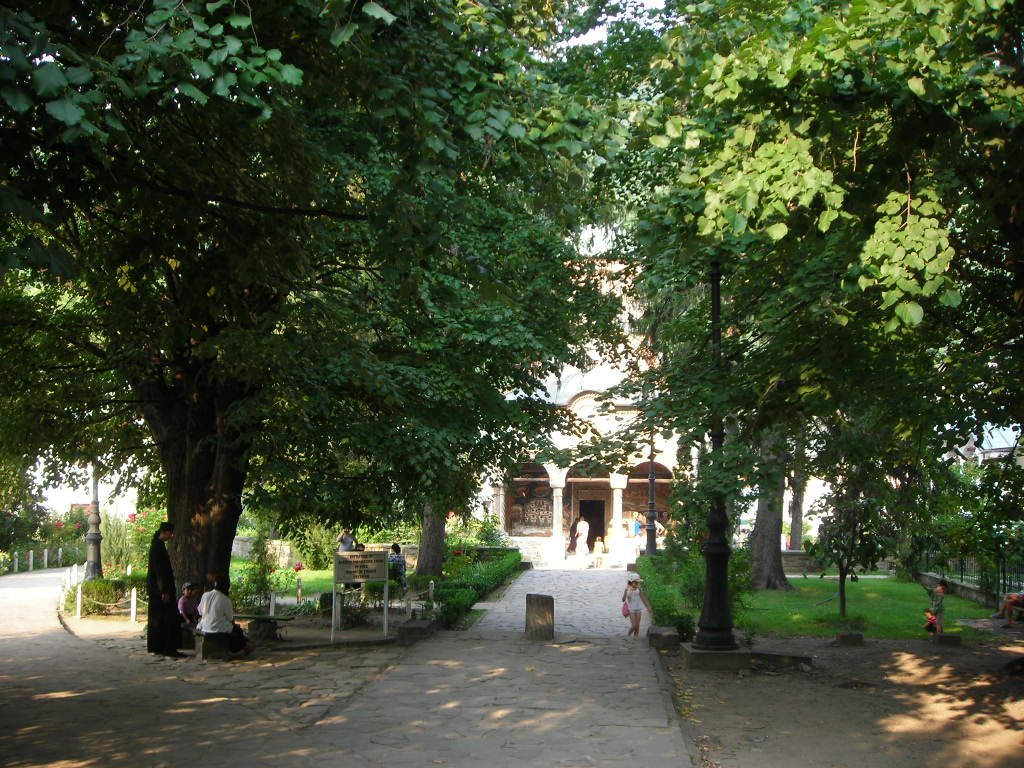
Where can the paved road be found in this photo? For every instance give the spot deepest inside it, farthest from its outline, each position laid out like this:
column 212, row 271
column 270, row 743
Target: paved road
column 591, row 698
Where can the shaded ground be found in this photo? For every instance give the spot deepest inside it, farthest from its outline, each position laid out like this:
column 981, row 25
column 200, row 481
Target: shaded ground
column 887, row 704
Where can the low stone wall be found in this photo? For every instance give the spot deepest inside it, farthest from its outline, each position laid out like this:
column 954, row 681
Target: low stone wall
column 966, row 591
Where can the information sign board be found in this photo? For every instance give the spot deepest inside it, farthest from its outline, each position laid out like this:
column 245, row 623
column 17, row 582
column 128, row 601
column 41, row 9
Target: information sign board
column 360, row 567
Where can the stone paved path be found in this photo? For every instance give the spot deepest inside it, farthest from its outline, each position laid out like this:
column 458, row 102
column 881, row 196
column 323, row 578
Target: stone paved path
column 591, row 698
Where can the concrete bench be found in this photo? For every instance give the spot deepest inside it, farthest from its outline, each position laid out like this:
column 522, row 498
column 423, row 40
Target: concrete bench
column 214, row 646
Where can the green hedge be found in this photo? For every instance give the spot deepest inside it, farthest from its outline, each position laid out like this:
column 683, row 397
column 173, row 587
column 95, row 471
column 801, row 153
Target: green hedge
column 456, row 596
column 102, row 596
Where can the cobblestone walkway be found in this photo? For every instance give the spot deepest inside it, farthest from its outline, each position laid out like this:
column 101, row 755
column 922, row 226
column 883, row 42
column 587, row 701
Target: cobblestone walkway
column 591, row 698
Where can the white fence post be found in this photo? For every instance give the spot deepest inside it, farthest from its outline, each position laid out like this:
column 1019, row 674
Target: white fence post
column 31, row 558
column 15, row 562
column 60, row 557
column 135, row 604
column 78, row 601
column 273, row 602
column 128, row 570
column 46, row 558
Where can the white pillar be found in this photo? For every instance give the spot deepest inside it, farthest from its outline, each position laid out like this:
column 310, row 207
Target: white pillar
column 556, row 513
column 135, row 604
column 46, row 558
column 31, row 558
column 499, row 501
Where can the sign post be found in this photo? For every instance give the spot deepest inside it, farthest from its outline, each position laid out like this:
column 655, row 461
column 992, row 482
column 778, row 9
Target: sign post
column 359, row 568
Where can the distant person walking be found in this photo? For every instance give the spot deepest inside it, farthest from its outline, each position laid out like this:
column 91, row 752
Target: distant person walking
column 635, row 599
column 582, row 534
column 163, row 627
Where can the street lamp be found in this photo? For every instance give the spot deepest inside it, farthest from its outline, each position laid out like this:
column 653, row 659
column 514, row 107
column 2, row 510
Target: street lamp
column 715, row 625
column 652, row 541
column 93, row 560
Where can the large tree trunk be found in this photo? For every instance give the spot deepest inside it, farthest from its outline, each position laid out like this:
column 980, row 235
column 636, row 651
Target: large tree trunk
column 798, row 485
column 766, row 538
column 430, row 560
column 205, row 461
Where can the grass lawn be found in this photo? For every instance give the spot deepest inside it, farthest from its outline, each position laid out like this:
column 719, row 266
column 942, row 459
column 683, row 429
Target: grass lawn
column 884, row 608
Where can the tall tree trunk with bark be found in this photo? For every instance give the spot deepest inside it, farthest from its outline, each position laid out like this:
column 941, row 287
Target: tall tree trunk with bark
column 205, row 461
column 430, row 560
column 798, row 486
column 766, row 538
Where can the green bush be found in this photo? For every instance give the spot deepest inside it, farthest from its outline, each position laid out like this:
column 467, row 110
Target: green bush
column 99, row 596
column 315, row 541
column 116, row 547
column 374, row 592
column 454, row 604
column 475, row 581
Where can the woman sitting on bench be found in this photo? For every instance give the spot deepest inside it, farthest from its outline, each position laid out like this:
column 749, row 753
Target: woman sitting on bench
column 218, row 617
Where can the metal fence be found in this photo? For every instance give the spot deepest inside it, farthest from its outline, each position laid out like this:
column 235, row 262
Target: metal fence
column 1008, row 576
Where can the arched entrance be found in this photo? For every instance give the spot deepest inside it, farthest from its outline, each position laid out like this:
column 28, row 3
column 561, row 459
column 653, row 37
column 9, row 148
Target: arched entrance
column 636, row 495
column 588, row 495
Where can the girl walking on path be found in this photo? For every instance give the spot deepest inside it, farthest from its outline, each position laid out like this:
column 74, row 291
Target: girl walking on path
column 635, row 599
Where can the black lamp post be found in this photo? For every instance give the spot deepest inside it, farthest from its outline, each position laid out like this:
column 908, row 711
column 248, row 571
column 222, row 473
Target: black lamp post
column 715, row 625
column 93, row 559
column 652, row 541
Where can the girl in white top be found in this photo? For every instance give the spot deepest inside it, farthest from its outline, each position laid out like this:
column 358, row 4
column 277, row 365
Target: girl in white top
column 635, row 599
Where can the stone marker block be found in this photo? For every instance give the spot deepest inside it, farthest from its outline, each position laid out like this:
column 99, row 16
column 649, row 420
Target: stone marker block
column 540, row 617
column 414, row 629
column 663, row 638
column 850, row 638
column 263, row 629
column 213, row 646
column 944, row 639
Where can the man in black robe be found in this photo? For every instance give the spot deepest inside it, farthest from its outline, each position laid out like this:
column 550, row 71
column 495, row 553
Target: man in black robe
column 163, row 631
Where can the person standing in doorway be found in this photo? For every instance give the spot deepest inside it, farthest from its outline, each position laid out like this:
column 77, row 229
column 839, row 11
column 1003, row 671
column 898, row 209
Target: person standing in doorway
column 163, row 628
column 635, row 599
column 582, row 534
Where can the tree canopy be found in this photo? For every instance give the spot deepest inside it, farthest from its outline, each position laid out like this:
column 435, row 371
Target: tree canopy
column 317, row 255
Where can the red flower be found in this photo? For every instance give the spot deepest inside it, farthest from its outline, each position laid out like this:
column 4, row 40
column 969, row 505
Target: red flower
column 299, row 566
column 58, row 524
column 131, row 517
column 78, row 524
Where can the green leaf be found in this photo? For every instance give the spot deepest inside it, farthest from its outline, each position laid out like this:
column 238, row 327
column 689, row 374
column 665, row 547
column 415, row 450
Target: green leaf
column 49, row 80
column 376, row 11
column 951, row 298
column 917, row 86
column 78, row 75
column 516, row 131
column 16, row 99
column 66, row 111
column 291, row 74
column 213, row 7
column 342, row 35
column 202, row 69
column 240, row 21
column 910, row 312
column 777, row 231
column 193, row 93
column 662, row 142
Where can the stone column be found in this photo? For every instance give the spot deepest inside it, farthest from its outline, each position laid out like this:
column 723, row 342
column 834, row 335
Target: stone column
column 618, row 485
column 556, row 553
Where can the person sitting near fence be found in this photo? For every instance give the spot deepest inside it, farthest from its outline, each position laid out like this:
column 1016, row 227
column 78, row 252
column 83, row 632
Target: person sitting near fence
column 218, row 617
column 188, row 605
column 397, row 566
column 1012, row 600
